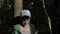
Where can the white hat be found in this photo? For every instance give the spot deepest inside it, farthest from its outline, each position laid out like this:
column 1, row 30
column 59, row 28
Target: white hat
column 25, row 13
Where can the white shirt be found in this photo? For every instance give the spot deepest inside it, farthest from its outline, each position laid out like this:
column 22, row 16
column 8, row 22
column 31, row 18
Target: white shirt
column 25, row 30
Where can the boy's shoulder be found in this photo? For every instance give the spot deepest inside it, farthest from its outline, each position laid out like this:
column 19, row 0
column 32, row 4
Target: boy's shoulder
column 17, row 26
column 32, row 25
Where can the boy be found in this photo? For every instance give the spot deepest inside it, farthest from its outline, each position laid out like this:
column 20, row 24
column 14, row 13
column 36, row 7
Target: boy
column 25, row 27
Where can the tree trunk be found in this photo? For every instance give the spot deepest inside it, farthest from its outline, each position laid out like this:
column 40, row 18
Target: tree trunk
column 18, row 5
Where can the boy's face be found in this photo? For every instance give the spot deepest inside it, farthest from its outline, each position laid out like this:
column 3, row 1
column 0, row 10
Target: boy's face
column 25, row 21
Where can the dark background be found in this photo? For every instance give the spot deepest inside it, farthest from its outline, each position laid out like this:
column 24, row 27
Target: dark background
column 39, row 19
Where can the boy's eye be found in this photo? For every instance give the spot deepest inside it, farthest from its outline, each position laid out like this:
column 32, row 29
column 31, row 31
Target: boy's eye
column 24, row 19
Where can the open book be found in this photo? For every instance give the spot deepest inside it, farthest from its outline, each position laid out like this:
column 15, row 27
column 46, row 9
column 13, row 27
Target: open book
column 36, row 32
